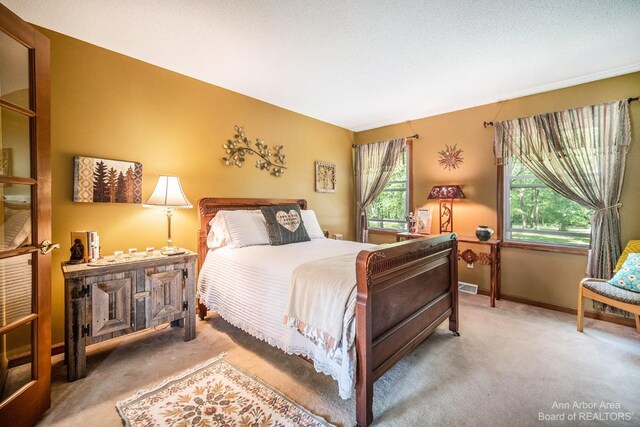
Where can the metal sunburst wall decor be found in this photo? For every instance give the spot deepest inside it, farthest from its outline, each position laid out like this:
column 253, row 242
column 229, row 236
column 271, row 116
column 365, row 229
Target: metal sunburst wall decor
column 450, row 157
column 271, row 160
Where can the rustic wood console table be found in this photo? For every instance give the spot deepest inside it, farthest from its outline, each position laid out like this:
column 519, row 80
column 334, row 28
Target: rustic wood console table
column 123, row 296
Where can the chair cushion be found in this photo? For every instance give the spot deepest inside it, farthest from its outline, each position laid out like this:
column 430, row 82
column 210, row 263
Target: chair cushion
column 632, row 247
column 618, row 294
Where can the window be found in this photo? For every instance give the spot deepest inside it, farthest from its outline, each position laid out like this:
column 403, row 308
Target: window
column 535, row 213
column 389, row 210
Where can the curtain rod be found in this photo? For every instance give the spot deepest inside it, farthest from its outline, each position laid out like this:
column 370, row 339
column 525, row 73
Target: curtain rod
column 414, row 136
column 629, row 100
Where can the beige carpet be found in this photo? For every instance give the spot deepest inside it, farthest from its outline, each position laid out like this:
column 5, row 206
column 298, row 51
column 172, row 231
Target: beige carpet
column 509, row 365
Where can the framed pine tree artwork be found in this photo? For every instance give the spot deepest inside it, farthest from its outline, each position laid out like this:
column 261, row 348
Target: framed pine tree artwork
column 106, row 181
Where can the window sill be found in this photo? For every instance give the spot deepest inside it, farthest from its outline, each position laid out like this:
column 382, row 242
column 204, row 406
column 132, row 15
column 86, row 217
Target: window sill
column 546, row 248
column 385, row 232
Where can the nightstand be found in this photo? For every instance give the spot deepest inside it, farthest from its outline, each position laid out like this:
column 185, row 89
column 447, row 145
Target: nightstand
column 115, row 297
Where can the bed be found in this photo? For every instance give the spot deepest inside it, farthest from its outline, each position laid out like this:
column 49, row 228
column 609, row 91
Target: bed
column 403, row 292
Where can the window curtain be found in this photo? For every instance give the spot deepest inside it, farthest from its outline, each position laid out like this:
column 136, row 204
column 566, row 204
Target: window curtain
column 581, row 154
column 373, row 166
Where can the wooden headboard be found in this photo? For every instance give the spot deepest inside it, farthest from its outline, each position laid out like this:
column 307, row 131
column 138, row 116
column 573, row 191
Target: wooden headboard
column 209, row 207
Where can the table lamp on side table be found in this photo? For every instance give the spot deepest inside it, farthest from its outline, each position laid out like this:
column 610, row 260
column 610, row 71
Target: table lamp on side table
column 169, row 196
column 446, row 194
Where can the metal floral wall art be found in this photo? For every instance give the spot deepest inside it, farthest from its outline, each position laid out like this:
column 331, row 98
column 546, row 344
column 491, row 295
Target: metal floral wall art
column 450, row 157
column 238, row 148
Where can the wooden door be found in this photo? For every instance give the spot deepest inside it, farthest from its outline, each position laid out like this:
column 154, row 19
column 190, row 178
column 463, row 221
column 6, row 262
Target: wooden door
column 166, row 284
column 110, row 308
column 25, row 222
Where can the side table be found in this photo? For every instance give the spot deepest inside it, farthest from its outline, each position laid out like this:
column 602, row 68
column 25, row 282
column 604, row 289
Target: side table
column 408, row 236
column 491, row 259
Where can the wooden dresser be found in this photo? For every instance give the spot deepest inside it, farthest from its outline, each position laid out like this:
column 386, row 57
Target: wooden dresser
column 123, row 296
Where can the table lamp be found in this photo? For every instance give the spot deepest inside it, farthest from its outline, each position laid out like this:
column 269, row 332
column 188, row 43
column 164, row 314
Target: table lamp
column 446, row 194
column 169, row 196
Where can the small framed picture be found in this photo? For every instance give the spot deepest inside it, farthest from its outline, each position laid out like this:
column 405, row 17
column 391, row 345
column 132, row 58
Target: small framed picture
column 325, row 177
column 424, row 216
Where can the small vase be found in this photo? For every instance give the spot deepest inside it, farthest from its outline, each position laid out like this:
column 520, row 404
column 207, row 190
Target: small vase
column 484, row 233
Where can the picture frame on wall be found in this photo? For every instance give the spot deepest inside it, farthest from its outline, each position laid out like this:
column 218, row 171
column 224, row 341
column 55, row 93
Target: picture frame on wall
column 424, row 216
column 97, row 180
column 5, row 161
column 325, row 177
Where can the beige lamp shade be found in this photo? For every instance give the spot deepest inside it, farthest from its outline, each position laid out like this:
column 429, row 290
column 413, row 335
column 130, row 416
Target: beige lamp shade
column 168, row 194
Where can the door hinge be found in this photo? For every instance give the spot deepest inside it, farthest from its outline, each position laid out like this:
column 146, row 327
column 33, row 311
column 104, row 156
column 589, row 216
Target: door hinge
column 86, row 330
column 185, row 273
column 185, row 305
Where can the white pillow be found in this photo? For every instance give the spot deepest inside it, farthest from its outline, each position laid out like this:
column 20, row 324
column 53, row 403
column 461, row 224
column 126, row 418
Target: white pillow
column 218, row 236
column 311, row 224
column 16, row 229
column 243, row 228
column 237, row 229
column 246, row 228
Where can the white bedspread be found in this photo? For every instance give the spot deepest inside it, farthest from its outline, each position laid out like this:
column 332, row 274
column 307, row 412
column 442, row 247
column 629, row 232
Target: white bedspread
column 249, row 287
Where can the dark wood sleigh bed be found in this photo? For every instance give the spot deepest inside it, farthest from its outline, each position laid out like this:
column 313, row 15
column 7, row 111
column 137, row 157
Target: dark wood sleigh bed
column 405, row 291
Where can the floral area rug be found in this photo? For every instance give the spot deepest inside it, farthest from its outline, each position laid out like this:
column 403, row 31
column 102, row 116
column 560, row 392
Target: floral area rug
column 215, row 393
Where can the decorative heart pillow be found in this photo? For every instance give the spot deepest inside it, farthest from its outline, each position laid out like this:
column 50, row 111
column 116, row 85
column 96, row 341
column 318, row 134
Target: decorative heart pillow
column 284, row 224
column 290, row 221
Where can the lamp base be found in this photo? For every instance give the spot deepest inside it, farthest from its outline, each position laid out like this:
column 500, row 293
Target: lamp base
column 172, row 250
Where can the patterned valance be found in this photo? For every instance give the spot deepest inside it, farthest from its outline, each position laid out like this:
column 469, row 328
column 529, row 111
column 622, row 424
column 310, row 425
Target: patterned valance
column 594, row 129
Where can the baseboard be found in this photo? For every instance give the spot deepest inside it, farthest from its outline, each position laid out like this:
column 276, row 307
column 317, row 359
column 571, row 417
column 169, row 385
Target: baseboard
column 590, row 314
column 57, row 349
column 23, row 359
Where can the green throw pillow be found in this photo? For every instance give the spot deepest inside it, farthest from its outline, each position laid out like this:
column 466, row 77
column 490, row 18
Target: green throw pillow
column 628, row 277
column 284, row 224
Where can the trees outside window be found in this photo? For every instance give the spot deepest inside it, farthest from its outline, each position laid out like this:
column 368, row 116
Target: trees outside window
column 536, row 213
column 390, row 209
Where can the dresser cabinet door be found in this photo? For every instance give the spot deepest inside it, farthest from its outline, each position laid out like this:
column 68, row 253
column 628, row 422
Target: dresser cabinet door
column 110, row 301
column 166, row 284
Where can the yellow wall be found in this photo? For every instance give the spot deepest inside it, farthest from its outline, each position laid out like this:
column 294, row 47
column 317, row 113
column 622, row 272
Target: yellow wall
column 540, row 276
column 112, row 106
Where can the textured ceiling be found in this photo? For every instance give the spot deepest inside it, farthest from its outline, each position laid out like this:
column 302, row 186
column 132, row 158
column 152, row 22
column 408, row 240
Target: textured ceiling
column 363, row 64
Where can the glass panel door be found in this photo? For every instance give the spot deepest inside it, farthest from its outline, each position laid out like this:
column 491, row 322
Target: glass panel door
column 25, row 220
column 14, row 71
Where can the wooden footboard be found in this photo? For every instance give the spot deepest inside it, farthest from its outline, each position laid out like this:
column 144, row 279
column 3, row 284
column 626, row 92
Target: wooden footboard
column 405, row 291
